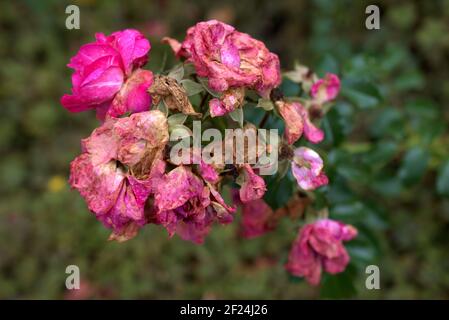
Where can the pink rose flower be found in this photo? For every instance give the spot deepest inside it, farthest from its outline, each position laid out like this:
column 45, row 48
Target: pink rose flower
column 183, row 204
column 319, row 246
column 228, row 59
column 253, row 186
column 326, row 89
column 307, row 168
column 115, row 174
column 107, row 75
column 297, row 122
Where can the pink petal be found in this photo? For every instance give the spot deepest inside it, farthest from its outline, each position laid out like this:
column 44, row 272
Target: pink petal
column 307, row 169
column 253, row 187
column 326, row 89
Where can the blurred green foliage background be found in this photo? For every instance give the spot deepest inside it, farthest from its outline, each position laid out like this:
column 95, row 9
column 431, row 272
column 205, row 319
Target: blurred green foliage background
column 386, row 153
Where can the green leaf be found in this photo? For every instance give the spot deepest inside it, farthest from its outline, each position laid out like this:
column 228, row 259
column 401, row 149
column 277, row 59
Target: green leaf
column 179, row 131
column 162, row 107
column 388, row 122
column 177, row 72
column 265, row 104
column 237, row 116
column 362, row 94
column 283, row 167
column 279, row 191
column 289, row 88
column 176, row 119
column 443, row 180
column 327, row 64
column 413, row 166
column 192, row 88
column 339, row 286
column 204, row 83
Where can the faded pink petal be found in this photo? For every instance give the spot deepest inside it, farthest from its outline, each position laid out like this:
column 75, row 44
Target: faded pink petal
column 319, row 245
column 312, row 133
column 217, row 108
column 297, row 122
column 326, row 89
column 229, row 58
column 99, row 185
column 256, row 218
column 294, row 125
column 307, row 168
column 208, row 172
column 105, row 173
column 187, row 207
column 174, row 44
column 194, row 231
column 181, row 198
column 228, row 102
column 127, row 139
column 223, row 211
column 253, row 186
column 178, row 186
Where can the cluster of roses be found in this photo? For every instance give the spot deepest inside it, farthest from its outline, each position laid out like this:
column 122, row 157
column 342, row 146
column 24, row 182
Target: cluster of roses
column 125, row 175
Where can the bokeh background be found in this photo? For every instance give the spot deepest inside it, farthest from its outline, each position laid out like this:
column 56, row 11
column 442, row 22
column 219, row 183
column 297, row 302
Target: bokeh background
column 387, row 153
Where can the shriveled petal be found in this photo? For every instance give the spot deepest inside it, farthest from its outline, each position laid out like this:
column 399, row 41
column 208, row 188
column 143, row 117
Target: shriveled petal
column 194, row 231
column 115, row 198
column 307, row 169
column 302, row 260
column 326, row 89
column 172, row 93
column 253, row 186
column 219, row 199
column 337, row 264
column 126, row 233
column 294, row 125
column 98, row 185
column 257, row 218
column 337, row 229
column 176, row 188
column 129, row 139
column 174, row 44
column 230, row 100
column 311, row 132
column 208, row 172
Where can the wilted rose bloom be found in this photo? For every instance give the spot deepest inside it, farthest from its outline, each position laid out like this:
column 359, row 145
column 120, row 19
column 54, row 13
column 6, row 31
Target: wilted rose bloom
column 297, row 122
column 307, row 168
column 183, row 204
column 253, row 186
column 326, row 89
column 116, row 170
column 108, row 69
column 319, row 246
column 229, row 58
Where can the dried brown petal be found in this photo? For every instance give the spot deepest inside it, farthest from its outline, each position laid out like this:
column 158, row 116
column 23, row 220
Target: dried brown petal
column 173, row 94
